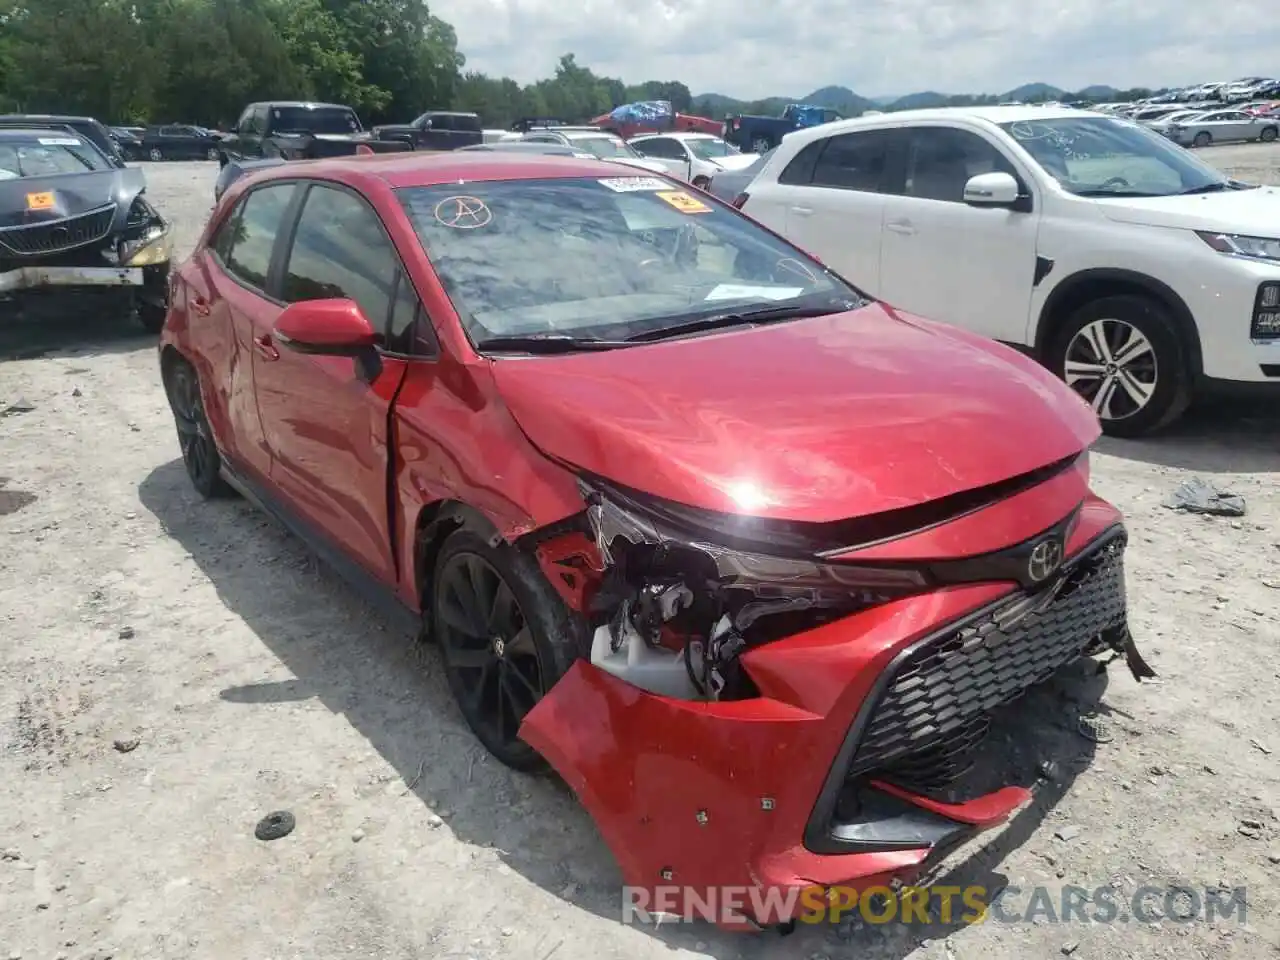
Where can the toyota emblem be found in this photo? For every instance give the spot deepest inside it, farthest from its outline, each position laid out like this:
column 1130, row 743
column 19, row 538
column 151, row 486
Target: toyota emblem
column 1045, row 559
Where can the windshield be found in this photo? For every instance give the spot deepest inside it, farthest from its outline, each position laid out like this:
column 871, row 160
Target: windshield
column 606, row 148
column 1101, row 156
column 322, row 120
column 708, row 148
column 48, row 157
column 632, row 256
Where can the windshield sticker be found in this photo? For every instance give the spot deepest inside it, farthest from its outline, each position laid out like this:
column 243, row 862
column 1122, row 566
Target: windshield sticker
column 634, row 184
column 463, row 213
column 684, row 202
column 741, row 291
column 57, row 142
column 41, row 201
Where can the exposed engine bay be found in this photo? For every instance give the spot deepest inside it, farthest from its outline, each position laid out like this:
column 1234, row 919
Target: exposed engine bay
column 672, row 609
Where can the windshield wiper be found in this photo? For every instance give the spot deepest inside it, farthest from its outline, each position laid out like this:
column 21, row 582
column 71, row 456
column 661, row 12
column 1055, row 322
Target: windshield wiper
column 1118, row 193
column 550, row 343
column 1207, row 188
column 741, row 319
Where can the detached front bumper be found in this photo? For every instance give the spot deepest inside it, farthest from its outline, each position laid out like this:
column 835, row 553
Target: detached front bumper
column 43, row 278
column 834, row 777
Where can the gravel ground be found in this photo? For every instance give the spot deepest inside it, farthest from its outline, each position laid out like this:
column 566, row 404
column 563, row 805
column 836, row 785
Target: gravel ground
column 171, row 671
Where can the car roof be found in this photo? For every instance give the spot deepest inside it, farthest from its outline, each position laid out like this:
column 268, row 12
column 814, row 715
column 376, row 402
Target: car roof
column 47, row 116
column 679, row 135
column 308, row 104
column 413, row 169
column 992, row 115
column 25, row 133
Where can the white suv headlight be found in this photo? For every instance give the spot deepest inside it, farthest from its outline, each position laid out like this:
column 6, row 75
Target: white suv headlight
column 1255, row 248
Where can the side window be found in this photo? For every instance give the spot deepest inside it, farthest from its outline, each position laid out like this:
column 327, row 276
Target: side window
column 662, row 147
column 542, row 139
column 942, row 159
column 226, row 233
column 341, row 250
column 255, row 229
column 854, row 161
column 409, row 331
column 799, row 172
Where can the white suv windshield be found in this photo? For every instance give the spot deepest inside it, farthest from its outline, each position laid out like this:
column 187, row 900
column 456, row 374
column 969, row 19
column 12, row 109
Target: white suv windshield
column 615, row 258
column 1102, row 156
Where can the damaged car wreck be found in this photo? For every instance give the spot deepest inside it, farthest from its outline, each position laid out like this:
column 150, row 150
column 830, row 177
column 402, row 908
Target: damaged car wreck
column 750, row 559
column 75, row 223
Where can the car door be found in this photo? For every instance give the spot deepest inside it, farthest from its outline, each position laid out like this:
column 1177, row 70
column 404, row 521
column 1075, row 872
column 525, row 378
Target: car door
column 1242, row 125
column 945, row 260
column 669, row 152
column 229, row 293
column 326, row 427
column 829, row 200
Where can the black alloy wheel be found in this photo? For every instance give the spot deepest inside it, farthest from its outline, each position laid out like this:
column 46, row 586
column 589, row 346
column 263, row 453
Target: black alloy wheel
column 195, row 438
column 495, row 623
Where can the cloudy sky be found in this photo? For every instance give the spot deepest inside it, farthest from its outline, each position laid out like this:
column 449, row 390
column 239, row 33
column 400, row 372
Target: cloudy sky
column 876, row 47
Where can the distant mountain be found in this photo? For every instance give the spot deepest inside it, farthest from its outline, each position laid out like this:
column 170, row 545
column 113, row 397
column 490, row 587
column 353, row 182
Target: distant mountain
column 1034, row 91
column 850, row 104
column 1099, row 92
column 920, row 101
column 841, row 99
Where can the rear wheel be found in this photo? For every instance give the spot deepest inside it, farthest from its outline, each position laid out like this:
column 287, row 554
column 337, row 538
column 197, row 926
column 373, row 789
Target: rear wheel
column 1268, row 134
column 1203, row 139
column 761, row 145
column 212, row 153
column 155, row 154
column 1124, row 357
column 505, row 637
column 199, row 451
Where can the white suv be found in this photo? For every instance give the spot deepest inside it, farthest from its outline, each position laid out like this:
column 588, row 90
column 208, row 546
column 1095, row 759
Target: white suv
column 1132, row 269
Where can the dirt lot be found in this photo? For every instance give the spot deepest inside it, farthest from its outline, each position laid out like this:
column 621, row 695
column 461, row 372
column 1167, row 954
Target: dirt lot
column 171, row 671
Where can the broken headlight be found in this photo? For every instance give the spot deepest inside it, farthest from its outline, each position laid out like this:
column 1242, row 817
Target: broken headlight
column 672, row 581
column 147, row 237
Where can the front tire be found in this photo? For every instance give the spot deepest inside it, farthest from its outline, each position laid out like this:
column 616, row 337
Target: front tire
column 1268, row 134
column 155, row 155
column 761, row 145
column 1124, row 357
column 152, row 316
column 1202, row 139
column 505, row 637
column 195, row 437
column 212, row 153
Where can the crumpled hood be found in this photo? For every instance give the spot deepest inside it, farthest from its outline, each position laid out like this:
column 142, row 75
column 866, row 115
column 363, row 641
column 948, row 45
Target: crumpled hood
column 815, row 420
column 1254, row 213
column 73, row 193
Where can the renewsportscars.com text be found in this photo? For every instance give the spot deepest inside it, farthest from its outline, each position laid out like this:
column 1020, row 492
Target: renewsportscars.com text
column 944, row 904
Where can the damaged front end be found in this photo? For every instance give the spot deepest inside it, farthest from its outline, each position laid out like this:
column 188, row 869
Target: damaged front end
column 756, row 711
column 98, row 238
column 679, row 608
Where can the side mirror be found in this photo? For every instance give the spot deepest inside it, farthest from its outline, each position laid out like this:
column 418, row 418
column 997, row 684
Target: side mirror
column 425, row 124
column 991, row 190
column 330, row 328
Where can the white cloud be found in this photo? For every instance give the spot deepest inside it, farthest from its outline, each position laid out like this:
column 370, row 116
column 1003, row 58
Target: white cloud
column 875, row 47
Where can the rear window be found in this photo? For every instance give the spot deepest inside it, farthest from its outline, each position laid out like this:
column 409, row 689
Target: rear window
column 611, row 257
column 47, row 156
column 317, row 120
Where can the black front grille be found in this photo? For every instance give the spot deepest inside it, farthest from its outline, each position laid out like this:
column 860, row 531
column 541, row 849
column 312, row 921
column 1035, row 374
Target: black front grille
column 937, row 705
column 46, row 238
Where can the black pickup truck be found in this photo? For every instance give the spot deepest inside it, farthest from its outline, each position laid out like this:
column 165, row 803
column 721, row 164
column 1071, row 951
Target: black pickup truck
column 300, row 131
column 436, row 130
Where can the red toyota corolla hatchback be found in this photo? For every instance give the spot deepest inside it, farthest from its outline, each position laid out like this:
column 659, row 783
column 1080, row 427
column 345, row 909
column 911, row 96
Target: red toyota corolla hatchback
column 749, row 558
